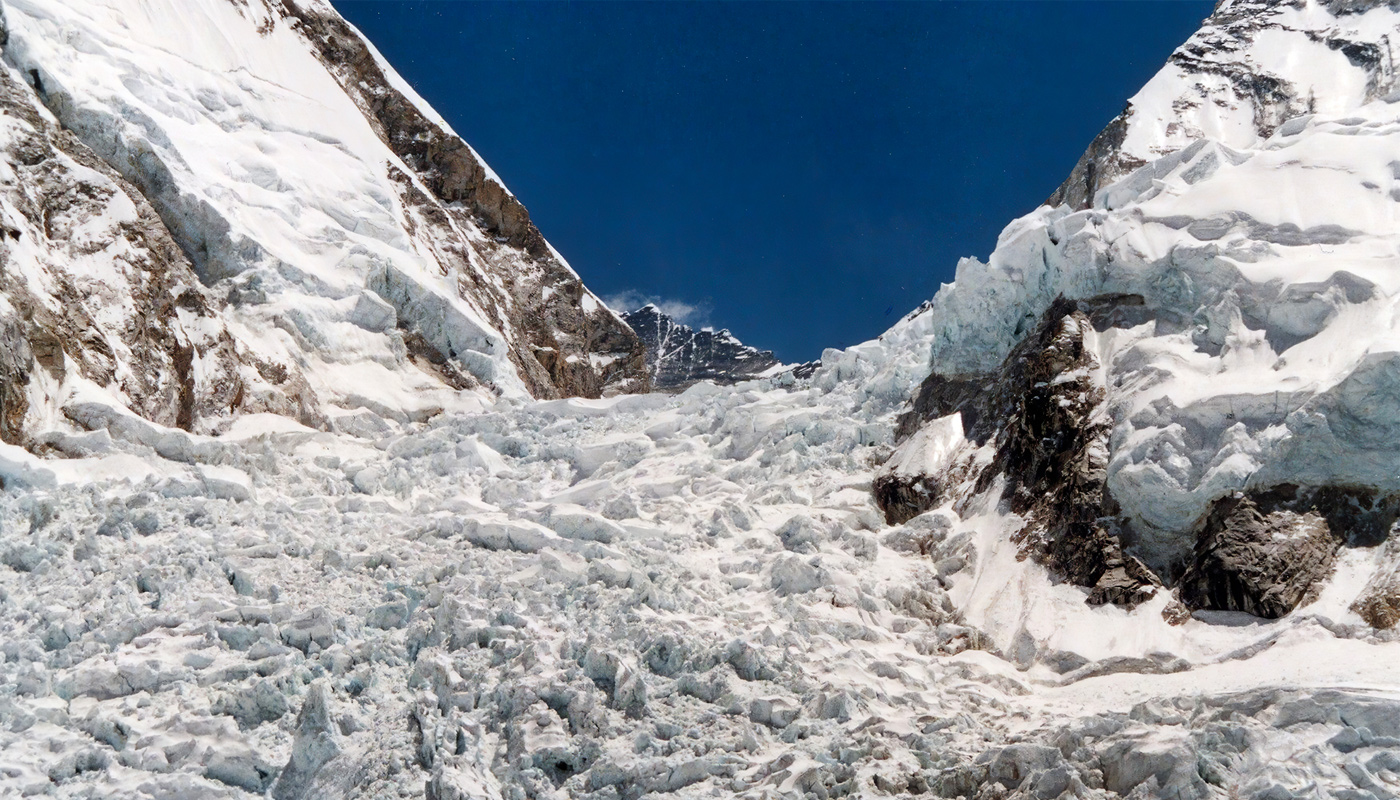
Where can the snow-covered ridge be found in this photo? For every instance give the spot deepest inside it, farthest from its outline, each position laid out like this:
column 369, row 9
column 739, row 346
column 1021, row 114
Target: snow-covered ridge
column 343, row 231
column 1253, row 65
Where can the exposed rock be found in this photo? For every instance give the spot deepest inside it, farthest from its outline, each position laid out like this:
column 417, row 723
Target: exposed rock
column 940, row 395
column 1267, row 96
column 144, row 329
column 1258, row 556
column 548, row 600
column 1266, row 552
column 1261, row 553
column 1051, row 444
column 678, row 356
column 1379, row 601
column 1125, row 581
column 561, row 339
column 903, row 498
column 1224, row 78
column 1102, row 164
column 1042, row 416
column 487, row 296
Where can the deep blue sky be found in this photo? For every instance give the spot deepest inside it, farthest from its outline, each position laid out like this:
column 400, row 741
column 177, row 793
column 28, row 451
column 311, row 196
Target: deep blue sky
column 802, row 173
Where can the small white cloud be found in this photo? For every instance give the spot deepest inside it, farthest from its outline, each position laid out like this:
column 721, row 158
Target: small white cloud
column 692, row 314
column 684, row 313
column 626, row 301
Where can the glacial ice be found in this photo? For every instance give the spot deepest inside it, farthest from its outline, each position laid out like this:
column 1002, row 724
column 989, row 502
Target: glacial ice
column 685, row 595
column 288, row 200
column 459, row 595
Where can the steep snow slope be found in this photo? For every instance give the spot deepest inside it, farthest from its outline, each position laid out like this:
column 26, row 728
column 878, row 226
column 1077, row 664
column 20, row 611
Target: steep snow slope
column 344, row 230
column 679, row 356
column 1253, row 65
column 97, row 300
column 1211, row 402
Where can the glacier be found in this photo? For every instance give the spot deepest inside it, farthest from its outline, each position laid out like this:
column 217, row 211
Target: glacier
column 321, row 530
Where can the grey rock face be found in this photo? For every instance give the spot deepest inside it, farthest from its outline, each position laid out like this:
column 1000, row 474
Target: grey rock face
column 1102, row 163
column 678, row 355
column 1040, row 413
column 1263, row 554
column 904, row 498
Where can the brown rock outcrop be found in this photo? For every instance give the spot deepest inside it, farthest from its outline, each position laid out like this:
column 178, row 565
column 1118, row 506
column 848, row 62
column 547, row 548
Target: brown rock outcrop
column 1260, row 562
column 1266, row 551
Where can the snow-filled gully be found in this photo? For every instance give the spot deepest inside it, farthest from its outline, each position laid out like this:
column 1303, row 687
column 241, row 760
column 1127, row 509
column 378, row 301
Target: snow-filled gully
column 383, row 577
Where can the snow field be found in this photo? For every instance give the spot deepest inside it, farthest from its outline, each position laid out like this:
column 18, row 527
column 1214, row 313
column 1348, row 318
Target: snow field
column 682, row 596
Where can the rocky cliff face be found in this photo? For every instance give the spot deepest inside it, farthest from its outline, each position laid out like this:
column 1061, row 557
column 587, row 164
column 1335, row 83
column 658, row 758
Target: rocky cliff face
column 1036, row 429
column 678, row 356
column 224, row 207
column 561, row 343
column 1174, row 372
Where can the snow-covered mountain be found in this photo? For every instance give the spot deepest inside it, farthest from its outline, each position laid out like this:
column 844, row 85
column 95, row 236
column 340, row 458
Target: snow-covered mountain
column 218, row 207
column 1108, row 517
column 1190, row 379
column 1253, row 66
column 678, row 356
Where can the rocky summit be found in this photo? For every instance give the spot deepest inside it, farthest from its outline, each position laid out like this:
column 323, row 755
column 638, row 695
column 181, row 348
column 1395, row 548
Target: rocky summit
column 678, row 356
column 324, row 476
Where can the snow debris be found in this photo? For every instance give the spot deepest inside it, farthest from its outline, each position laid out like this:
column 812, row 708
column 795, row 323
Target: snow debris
column 452, row 593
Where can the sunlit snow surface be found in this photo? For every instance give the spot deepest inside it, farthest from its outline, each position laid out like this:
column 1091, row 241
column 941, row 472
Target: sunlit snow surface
column 1271, row 356
column 689, row 595
column 280, row 188
column 695, row 595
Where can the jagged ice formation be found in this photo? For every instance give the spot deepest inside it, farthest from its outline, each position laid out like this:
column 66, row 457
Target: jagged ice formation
column 1109, row 517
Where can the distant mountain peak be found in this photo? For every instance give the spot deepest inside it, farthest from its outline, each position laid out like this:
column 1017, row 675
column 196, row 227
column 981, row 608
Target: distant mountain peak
column 678, row 355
